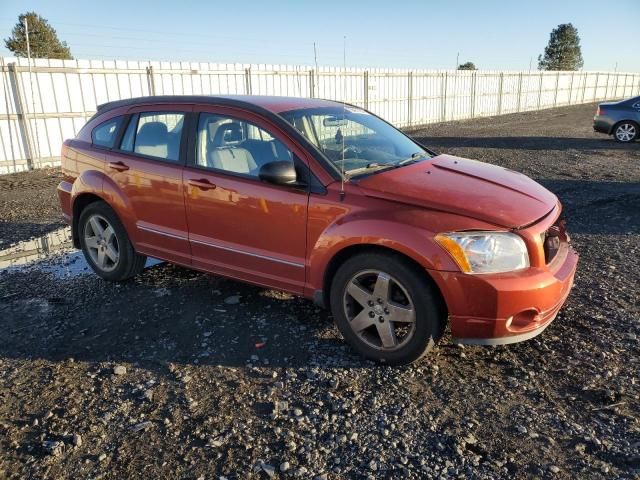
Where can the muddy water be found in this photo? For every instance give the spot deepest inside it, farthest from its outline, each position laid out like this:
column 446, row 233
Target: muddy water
column 52, row 253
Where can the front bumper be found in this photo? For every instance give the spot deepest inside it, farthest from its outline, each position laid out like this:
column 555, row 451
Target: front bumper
column 509, row 307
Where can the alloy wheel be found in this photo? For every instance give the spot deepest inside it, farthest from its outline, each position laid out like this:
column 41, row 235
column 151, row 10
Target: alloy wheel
column 101, row 243
column 626, row 132
column 379, row 310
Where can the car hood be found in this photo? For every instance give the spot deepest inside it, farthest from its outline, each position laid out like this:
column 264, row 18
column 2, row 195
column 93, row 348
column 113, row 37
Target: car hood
column 466, row 187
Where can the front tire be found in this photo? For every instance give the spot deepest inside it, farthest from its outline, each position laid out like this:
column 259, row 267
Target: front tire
column 106, row 245
column 386, row 308
column 626, row 132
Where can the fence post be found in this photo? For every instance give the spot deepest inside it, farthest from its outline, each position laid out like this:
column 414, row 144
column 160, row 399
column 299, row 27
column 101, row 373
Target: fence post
column 615, row 89
column 540, row 91
column 573, row 74
column 312, row 87
column 500, row 93
column 151, row 82
column 555, row 95
column 410, row 98
column 606, row 89
column 473, row 94
column 247, row 81
column 519, row 90
column 366, row 89
column 444, row 96
column 21, row 113
column 584, row 86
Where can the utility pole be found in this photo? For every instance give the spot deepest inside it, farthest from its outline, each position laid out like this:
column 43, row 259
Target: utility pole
column 457, row 60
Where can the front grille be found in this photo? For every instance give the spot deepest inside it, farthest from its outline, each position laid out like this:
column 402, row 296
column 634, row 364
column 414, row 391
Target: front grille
column 551, row 240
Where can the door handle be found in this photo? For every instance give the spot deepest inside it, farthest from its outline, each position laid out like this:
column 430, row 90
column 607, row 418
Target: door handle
column 202, row 184
column 119, row 166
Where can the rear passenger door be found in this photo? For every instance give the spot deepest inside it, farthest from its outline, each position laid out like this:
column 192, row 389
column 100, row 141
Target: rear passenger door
column 147, row 165
column 240, row 226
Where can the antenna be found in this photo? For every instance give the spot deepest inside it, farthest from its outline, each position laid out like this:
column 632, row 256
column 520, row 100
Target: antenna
column 344, row 114
column 317, row 74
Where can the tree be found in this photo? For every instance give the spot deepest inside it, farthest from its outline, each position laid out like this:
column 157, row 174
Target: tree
column 563, row 51
column 43, row 40
column 467, row 66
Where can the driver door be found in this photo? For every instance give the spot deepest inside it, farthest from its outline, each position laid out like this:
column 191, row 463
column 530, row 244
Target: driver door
column 240, row 226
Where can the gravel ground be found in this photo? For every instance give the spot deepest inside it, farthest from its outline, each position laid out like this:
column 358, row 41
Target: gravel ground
column 178, row 374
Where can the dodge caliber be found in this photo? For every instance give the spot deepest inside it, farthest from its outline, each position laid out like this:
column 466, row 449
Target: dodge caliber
column 327, row 201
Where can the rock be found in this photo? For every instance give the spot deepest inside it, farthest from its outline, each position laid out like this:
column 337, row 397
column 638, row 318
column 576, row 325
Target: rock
column 102, row 457
column 53, row 447
column 554, row 469
column 232, row 300
column 119, row 370
column 297, row 412
column 148, row 394
column 285, row 466
column 142, row 426
column 373, row 465
column 77, row 440
column 470, row 439
column 322, row 476
column 268, row 469
column 521, row 429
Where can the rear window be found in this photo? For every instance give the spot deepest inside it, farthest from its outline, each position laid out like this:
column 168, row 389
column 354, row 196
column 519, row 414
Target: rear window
column 154, row 134
column 104, row 135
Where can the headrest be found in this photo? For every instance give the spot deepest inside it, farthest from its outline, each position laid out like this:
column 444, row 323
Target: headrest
column 228, row 133
column 152, row 134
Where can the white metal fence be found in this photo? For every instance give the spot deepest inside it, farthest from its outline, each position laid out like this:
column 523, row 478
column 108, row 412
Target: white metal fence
column 50, row 101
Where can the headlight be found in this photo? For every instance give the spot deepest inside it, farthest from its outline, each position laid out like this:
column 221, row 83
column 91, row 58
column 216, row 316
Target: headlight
column 485, row 252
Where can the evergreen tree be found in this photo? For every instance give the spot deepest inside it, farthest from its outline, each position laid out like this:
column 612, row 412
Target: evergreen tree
column 43, row 40
column 563, row 51
column 467, row 66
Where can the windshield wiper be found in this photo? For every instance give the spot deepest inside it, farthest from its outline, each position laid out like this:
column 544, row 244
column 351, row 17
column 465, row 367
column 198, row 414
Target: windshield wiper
column 414, row 157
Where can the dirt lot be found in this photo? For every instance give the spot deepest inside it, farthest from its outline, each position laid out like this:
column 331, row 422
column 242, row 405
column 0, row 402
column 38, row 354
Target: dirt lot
column 178, row 374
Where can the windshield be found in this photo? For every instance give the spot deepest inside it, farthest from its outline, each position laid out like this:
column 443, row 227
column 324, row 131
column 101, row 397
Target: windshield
column 354, row 140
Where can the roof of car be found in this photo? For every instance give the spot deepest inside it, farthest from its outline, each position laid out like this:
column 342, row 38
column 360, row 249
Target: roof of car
column 272, row 103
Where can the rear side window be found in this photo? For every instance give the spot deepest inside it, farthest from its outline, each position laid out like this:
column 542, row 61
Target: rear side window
column 104, row 135
column 154, row 134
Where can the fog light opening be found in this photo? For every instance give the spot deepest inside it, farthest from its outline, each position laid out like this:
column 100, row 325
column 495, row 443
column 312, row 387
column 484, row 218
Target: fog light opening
column 524, row 318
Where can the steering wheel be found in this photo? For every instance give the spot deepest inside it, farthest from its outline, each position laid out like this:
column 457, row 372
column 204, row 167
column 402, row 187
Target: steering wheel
column 350, row 149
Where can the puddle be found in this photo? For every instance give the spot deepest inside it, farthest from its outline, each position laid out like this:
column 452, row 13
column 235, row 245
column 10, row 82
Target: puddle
column 51, row 253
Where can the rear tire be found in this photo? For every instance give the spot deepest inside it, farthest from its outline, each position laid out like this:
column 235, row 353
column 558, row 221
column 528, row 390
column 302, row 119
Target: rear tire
column 626, row 131
column 106, row 245
column 386, row 308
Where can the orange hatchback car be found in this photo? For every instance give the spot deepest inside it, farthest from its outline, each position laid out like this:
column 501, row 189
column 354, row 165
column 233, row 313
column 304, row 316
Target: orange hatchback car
column 324, row 200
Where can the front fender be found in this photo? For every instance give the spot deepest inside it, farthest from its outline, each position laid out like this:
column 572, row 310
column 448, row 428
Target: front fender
column 412, row 241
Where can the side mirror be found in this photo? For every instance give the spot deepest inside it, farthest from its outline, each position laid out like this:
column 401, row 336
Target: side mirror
column 278, row 172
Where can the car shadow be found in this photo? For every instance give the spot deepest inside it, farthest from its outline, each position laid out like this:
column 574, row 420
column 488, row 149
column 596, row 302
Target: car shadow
column 168, row 314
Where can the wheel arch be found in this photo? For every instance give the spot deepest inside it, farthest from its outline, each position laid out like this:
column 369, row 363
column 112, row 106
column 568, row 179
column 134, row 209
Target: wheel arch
column 322, row 297
column 615, row 125
column 80, row 202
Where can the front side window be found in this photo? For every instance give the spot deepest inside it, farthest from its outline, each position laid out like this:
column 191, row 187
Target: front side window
column 354, row 140
column 236, row 146
column 104, row 135
column 154, row 134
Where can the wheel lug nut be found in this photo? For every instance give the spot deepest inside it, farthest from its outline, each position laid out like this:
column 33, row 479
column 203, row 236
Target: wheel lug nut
column 371, row 314
column 386, row 311
column 381, row 319
column 380, row 301
column 370, row 303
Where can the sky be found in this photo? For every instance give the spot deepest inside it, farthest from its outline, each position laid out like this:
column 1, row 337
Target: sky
column 497, row 35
